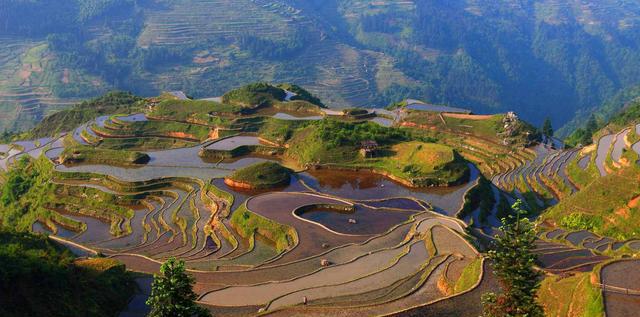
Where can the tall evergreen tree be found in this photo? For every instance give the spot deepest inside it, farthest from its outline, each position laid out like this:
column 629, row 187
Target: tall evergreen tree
column 172, row 293
column 513, row 262
column 547, row 129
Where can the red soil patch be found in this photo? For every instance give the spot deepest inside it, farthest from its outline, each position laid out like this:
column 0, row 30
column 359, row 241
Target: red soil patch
column 181, row 135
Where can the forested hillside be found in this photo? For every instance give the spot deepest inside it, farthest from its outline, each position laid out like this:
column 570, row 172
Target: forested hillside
column 540, row 58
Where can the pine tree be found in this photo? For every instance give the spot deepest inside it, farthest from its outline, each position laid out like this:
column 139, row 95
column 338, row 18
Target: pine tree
column 172, row 293
column 513, row 262
column 547, row 129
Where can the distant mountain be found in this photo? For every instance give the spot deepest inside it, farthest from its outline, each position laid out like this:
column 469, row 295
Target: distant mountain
column 540, row 58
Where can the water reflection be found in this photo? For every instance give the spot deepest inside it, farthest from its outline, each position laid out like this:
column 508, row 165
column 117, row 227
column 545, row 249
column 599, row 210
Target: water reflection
column 366, row 185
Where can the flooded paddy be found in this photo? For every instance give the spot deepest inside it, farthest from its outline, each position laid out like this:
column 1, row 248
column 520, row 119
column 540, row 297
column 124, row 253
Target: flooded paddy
column 604, row 144
column 138, row 117
column 280, row 207
column 363, row 221
column 39, row 227
column 231, row 143
column 619, row 145
column 286, row 116
column 363, row 185
column 584, row 161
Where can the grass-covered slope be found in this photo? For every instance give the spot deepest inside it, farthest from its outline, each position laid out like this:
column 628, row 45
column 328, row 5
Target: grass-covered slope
column 260, row 176
column 607, row 206
column 66, row 120
column 39, row 278
column 570, row 296
column 256, row 94
column 336, row 144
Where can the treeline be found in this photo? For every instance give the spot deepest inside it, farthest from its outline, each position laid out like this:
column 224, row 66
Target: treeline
column 40, row 278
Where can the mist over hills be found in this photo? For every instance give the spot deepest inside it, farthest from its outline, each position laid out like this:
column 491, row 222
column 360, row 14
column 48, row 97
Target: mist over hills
column 558, row 59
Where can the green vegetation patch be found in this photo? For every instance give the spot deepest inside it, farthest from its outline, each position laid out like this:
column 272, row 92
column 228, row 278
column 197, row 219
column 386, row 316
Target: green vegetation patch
column 332, row 141
column 192, row 110
column 152, row 128
column 302, row 94
column 469, row 277
column 607, row 206
column 111, row 103
column 570, row 295
column 253, row 95
column 40, row 278
column 262, row 175
column 423, row 164
column 248, row 223
column 87, row 154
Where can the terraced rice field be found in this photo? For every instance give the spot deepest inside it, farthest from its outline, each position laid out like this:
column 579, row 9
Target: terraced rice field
column 356, row 241
column 331, row 243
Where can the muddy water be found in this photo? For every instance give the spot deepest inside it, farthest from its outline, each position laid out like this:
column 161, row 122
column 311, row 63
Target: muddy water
column 365, row 185
column 241, row 195
column 367, row 221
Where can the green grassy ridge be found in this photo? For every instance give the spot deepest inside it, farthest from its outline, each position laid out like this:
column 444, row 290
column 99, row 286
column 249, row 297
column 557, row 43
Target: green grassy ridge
column 25, row 193
column 40, row 278
column 225, row 196
column 469, row 276
column 324, row 139
column 197, row 110
column 143, row 143
column 559, row 294
column 336, row 144
column 601, row 206
column 246, row 223
column 481, row 196
column 157, row 128
column 256, row 94
column 239, row 151
column 87, row 154
column 301, row 94
column 262, row 175
column 110, row 103
column 582, row 177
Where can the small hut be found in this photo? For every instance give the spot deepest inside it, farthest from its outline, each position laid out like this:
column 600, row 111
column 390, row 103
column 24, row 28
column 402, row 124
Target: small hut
column 368, row 148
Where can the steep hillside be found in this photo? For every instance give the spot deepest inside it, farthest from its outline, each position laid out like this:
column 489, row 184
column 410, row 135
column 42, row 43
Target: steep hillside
column 540, row 58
